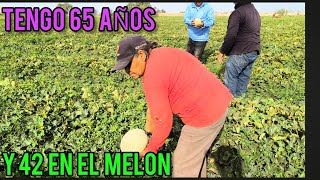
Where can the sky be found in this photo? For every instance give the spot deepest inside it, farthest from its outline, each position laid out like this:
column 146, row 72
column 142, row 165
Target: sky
column 172, row 7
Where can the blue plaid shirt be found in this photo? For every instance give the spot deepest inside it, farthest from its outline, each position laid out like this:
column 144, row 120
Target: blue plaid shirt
column 206, row 14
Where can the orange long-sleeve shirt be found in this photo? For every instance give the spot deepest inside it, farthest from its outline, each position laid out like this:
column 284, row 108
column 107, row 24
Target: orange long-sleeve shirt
column 175, row 82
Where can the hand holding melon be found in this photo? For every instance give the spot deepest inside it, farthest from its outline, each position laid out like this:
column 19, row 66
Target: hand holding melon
column 135, row 140
column 197, row 22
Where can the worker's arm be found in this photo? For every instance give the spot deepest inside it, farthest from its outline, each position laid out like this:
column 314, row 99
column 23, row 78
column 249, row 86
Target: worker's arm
column 149, row 122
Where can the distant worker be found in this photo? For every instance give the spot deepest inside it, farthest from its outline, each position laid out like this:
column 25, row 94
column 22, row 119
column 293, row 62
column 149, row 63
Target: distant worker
column 275, row 15
column 199, row 17
column 242, row 45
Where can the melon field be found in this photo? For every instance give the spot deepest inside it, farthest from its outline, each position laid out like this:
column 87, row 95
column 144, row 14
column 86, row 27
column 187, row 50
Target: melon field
column 56, row 95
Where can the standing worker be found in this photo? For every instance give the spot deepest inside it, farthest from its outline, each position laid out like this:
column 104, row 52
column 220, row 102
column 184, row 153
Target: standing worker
column 242, row 45
column 199, row 17
column 175, row 82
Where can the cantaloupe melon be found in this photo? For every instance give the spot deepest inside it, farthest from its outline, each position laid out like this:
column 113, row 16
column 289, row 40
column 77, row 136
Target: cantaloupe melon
column 197, row 21
column 135, row 140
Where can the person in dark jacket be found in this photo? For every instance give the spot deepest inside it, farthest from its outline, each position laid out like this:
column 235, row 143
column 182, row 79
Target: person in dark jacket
column 241, row 45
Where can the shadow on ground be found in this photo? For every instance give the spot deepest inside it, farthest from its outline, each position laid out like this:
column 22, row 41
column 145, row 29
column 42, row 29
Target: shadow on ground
column 227, row 162
column 224, row 160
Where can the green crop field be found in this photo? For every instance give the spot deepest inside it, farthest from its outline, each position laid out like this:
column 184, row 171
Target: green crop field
column 56, row 95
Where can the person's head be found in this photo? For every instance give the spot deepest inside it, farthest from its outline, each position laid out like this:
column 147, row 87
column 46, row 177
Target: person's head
column 198, row 4
column 132, row 54
column 238, row 3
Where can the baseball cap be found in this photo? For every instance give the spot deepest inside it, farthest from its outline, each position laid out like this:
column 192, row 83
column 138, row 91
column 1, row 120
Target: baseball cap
column 127, row 48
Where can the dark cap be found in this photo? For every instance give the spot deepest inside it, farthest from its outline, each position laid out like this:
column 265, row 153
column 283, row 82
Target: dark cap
column 127, row 48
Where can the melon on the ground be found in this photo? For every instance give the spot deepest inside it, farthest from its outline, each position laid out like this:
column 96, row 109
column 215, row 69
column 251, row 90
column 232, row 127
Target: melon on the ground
column 135, row 140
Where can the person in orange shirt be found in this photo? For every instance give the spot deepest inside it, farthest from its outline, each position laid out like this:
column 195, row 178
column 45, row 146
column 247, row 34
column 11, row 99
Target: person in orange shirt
column 175, row 82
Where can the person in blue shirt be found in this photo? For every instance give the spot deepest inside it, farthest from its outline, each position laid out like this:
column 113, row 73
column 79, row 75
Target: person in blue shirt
column 198, row 32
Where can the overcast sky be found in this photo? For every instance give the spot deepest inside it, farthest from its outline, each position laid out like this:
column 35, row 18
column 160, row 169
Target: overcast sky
column 171, row 7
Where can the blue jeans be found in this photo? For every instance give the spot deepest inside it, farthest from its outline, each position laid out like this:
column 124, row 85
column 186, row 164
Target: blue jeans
column 238, row 71
column 196, row 48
